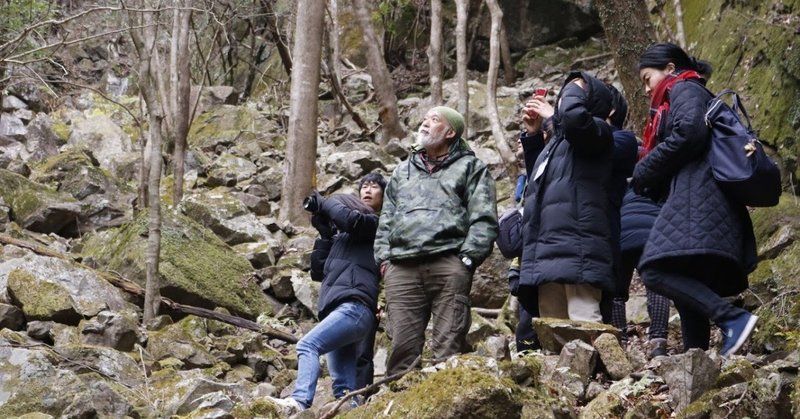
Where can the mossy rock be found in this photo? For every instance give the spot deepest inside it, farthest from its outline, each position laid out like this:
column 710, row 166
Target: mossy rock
column 228, row 125
column 195, row 267
column 259, row 408
column 41, row 300
column 35, row 206
column 450, row 393
column 758, row 59
column 76, row 172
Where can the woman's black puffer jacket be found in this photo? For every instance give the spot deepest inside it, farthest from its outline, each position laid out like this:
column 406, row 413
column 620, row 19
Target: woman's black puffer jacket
column 566, row 226
column 697, row 218
column 348, row 271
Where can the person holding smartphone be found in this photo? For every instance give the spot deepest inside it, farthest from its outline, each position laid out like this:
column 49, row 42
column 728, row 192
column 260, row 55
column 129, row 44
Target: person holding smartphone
column 566, row 229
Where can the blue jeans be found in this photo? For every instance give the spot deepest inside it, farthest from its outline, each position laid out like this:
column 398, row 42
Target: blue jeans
column 340, row 335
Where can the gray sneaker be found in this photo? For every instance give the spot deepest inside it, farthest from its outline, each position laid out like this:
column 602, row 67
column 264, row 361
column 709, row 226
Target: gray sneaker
column 288, row 406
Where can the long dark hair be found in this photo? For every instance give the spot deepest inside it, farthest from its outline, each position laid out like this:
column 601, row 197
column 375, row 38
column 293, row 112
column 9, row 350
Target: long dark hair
column 352, row 202
column 663, row 53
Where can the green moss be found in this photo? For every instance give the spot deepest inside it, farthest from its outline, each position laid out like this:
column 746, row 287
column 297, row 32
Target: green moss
column 451, row 393
column 256, row 409
column 195, row 265
column 61, row 130
column 41, row 300
column 755, row 57
column 26, row 197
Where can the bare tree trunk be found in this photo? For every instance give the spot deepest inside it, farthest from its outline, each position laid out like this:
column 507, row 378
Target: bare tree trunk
column 509, row 74
column 435, row 52
column 462, row 13
column 679, row 23
column 274, row 29
column 180, row 82
column 301, row 148
column 629, row 33
column 333, row 37
column 491, row 89
column 144, row 40
column 381, row 79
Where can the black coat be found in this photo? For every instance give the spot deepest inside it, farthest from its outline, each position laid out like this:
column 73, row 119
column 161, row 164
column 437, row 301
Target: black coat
column 638, row 215
column 697, row 219
column 346, row 263
column 566, row 226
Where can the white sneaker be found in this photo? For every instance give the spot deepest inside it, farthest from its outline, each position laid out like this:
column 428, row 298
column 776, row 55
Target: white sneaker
column 288, row 406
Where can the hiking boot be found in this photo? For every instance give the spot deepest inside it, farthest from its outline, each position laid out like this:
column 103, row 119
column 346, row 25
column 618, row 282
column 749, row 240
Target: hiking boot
column 288, row 406
column 735, row 332
column 658, row 347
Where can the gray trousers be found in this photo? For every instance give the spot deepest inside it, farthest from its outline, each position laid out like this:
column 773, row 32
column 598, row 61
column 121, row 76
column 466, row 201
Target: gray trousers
column 418, row 289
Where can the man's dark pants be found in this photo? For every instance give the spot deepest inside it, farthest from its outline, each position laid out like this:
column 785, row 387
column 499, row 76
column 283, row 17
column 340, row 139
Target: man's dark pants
column 417, row 290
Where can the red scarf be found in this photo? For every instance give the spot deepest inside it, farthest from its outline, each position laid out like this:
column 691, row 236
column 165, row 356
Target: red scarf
column 659, row 106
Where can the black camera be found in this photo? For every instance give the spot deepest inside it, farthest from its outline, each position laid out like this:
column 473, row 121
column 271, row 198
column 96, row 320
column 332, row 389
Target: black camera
column 311, row 204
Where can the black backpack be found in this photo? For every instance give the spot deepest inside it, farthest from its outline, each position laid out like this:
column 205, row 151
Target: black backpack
column 738, row 162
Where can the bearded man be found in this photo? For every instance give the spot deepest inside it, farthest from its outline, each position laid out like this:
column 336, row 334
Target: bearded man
column 438, row 224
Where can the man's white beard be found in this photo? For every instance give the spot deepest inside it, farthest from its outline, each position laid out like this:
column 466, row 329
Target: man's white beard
column 426, row 141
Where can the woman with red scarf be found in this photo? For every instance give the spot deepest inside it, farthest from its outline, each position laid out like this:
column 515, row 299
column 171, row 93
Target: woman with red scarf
column 701, row 246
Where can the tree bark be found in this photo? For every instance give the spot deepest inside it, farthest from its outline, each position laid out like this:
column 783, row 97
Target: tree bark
column 681, row 34
column 301, row 149
column 462, row 13
column 509, row 74
column 435, row 53
column 144, row 40
column 381, row 79
column 180, row 86
column 501, row 144
column 629, row 33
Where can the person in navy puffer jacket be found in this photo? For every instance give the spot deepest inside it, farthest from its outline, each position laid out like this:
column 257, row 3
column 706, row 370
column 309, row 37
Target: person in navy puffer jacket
column 343, row 259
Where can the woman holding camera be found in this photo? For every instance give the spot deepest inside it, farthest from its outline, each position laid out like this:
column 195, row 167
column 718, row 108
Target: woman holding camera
column 344, row 261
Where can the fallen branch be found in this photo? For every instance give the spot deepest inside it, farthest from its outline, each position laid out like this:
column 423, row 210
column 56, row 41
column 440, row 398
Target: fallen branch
column 330, row 414
column 582, row 60
column 487, row 312
column 133, row 288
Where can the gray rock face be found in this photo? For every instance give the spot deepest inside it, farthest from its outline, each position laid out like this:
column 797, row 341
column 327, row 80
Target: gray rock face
column 689, row 375
column 118, row 330
column 305, row 290
column 36, row 207
column 12, row 126
column 11, row 317
column 12, row 103
column 576, row 364
column 182, row 341
column 489, row 284
column 228, row 169
column 105, row 138
column 72, row 291
column 225, row 215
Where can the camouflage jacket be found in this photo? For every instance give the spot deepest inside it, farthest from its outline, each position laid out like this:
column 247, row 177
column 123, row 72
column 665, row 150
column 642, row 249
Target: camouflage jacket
column 452, row 208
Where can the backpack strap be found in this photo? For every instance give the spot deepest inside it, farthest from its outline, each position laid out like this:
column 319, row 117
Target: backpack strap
column 737, row 107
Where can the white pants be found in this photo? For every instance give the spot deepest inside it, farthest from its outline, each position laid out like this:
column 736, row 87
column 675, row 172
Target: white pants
column 570, row 301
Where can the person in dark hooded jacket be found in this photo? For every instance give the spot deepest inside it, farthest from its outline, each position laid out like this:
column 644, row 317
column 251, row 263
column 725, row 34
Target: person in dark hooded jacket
column 566, row 220
column 701, row 246
column 343, row 259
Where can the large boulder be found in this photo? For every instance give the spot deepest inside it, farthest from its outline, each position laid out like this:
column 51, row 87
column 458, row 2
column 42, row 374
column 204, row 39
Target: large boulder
column 196, row 267
column 36, row 207
column 118, row 330
column 226, row 215
column 490, row 282
column 689, row 375
column 182, row 341
column 227, row 125
column 108, row 142
column 229, row 169
column 48, row 288
column 554, row 333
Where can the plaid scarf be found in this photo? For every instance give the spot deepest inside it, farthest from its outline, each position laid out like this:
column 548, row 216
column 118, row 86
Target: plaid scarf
column 659, row 107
